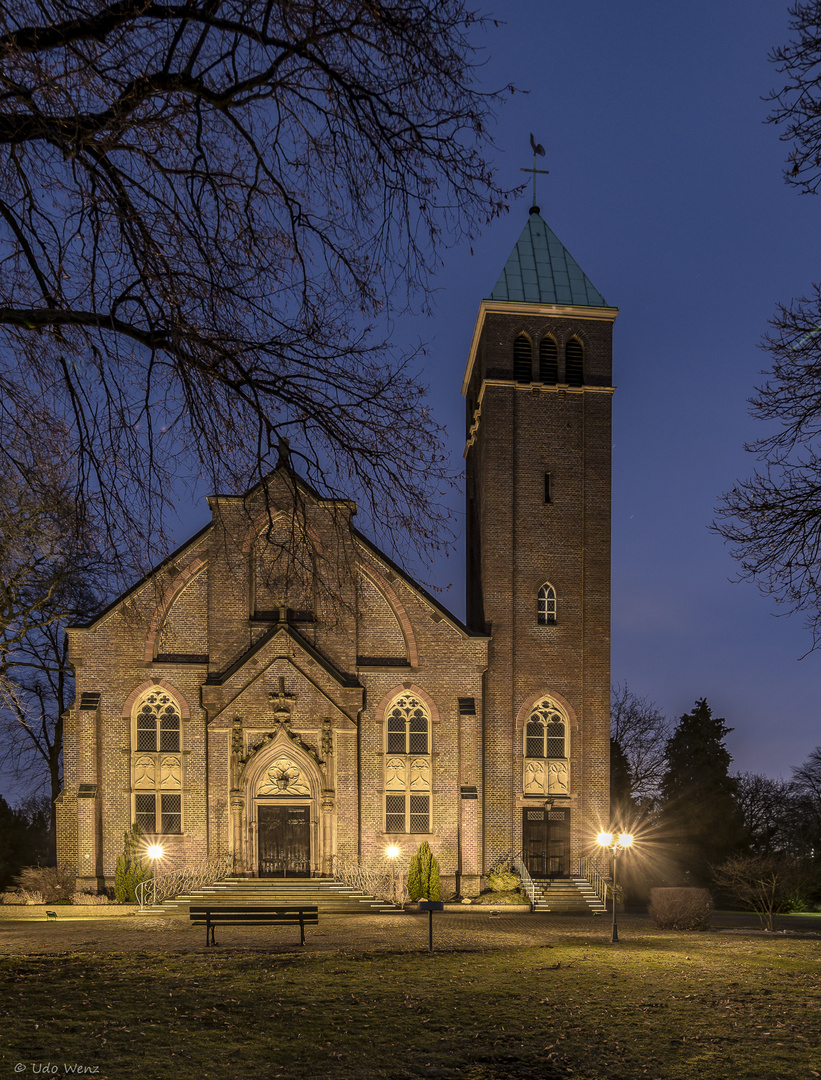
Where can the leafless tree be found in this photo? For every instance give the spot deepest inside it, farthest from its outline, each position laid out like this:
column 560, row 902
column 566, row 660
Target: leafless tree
column 805, row 791
column 769, row 884
column 36, row 679
column 772, row 520
column 207, row 211
column 642, row 731
column 765, row 810
column 50, row 558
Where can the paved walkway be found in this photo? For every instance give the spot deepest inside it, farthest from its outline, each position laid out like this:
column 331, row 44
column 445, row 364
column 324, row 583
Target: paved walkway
column 453, row 932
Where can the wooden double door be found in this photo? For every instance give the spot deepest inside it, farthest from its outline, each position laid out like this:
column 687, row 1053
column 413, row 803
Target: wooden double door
column 284, row 841
column 546, row 841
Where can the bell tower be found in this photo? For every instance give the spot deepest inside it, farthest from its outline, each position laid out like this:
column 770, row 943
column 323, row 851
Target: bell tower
column 538, row 389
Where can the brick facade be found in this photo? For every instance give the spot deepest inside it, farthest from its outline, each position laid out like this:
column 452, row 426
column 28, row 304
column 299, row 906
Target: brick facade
column 280, row 640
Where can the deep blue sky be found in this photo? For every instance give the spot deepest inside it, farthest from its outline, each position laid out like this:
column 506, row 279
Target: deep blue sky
column 666, row 185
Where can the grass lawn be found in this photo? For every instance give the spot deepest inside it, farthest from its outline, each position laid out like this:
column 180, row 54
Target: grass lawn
column 689, row 1006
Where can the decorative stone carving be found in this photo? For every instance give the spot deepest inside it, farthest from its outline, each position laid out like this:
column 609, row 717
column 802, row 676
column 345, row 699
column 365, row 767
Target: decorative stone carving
column 545, row 777
column 282, row 703
column 557, row 783
column 420, row 774
column 283, row 778
column 395, row 771
column 327, row 738
column 268, row 738
column 171, row 773
column 236, row 737
column 534, row 780
column 144, row 773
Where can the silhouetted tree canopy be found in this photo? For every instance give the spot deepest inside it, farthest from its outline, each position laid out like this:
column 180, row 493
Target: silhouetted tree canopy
column 699, row 814
column 641, row 731
column 772, row 520
column 622, row 809
column 207, row 209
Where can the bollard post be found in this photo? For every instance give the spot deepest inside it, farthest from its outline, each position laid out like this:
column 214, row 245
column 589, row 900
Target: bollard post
column 430, row 906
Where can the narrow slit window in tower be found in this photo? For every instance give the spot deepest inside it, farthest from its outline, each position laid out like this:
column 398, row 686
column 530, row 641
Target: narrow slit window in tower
column 522, row 353
column 548, row 361
column 574, row 362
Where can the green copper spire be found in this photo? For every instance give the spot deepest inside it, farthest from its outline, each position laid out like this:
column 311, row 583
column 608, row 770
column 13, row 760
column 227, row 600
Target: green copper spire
column 541, row 270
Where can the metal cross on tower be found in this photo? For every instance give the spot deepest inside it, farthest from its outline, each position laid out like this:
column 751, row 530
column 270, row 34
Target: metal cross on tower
column 538, row 151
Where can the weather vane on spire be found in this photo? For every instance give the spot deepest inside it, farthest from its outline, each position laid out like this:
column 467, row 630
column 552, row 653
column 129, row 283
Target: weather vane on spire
column 538, row 151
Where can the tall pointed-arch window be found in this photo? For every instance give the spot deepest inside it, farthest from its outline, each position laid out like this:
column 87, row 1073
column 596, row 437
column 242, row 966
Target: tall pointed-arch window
column 548, row 361
column 545, row 751
column 522, row 357
column 574, row 362
column 156, row 763
column 407, row 766
column 546, row 605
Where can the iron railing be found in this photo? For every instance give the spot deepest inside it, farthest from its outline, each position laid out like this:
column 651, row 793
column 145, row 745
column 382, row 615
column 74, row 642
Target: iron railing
column 184, row 880
column 386, row 880
column 599, row 880
column 527, row 881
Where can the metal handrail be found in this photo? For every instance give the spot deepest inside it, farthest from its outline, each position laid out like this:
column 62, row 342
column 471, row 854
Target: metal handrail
column 386, row 879
column 600, row 882
column 529, row 885
column 141, row 890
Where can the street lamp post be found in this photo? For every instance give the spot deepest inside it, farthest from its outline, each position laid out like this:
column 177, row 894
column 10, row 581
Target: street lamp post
column 392, row 853
column 615, row 844
column 155, row 853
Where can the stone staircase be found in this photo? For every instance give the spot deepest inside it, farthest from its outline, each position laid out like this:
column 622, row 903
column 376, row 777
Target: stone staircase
column 567, row 896
column 330, row 896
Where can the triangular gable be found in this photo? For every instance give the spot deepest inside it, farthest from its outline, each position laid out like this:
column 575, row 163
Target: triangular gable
column 250, row 676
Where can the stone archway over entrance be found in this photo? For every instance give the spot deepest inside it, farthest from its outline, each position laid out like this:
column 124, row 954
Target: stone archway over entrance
column 280, row 833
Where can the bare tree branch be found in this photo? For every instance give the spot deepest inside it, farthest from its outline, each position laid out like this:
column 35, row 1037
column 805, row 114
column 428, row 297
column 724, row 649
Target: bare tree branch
column 206, row 209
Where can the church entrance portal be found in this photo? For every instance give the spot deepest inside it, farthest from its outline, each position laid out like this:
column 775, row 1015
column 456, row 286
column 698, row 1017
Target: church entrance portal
column 284, row 841
column 546, row 841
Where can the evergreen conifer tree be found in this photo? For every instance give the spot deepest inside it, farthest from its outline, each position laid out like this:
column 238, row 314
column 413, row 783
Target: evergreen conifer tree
column 622, row 807
column 423, row 875
column 131, row 868
column 699, row 811
column 414, row 877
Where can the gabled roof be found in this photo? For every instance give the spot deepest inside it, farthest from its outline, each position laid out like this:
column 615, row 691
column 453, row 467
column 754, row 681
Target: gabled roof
column 222, row 677
column 541, row 270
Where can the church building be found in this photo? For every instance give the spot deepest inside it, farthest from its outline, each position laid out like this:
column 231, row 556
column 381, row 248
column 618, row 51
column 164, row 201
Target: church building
column 281, row 691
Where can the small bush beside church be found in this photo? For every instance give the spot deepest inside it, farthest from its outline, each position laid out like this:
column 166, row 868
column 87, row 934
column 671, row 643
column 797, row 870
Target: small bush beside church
column 423, row 875
column 681, row 909
column 131, row 868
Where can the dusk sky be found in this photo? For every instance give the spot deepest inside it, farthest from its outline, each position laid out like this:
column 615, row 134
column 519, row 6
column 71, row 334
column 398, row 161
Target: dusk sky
column 666, row 185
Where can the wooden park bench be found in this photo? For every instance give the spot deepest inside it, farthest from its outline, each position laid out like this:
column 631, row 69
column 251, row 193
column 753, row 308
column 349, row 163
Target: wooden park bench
column 253, row 915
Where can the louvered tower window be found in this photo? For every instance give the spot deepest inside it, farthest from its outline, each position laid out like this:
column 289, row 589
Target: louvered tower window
column 574, row 362
column 522, row 353
column 548, row 361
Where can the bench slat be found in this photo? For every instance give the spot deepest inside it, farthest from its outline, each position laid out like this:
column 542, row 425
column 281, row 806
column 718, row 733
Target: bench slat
column 253, row 915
